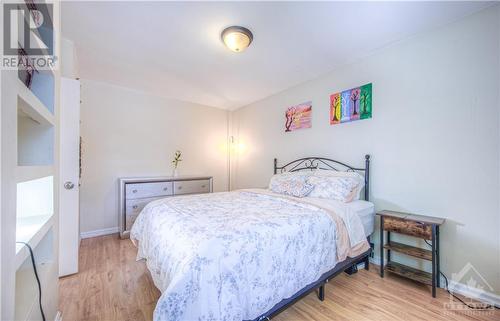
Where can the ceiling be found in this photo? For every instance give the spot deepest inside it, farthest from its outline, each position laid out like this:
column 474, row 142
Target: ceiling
column 174, row 49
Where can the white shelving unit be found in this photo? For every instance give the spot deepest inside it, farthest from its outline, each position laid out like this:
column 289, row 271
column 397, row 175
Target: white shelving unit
column 29, row 170
column 27, row 173
column 26, row 286
column 35, row 196
column 30, row 230
column 42, row 84
column 35, row 128
column 30, row 105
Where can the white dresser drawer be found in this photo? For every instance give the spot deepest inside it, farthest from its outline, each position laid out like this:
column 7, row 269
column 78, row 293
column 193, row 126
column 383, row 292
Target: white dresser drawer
column 133, row 207
column 191, row 187
column 153, row 189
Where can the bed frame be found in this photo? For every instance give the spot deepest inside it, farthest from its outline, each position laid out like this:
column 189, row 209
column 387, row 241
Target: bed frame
column 349, row 265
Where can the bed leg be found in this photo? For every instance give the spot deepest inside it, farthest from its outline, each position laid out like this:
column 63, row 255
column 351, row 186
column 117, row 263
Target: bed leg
column 367, row 263
column 321, row 293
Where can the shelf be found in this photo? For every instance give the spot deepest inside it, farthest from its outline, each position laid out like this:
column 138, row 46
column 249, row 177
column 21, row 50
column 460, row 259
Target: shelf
column 409, row 272
column 35, row 198
column 409, row 250
column 30, row 106
column 35, row 139
column 28, row 173
column 31, row 230
column 42, row 86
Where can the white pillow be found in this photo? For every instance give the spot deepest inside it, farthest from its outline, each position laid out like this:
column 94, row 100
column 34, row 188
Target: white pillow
column 355, row 175
column 341, row 189
column 291, row 183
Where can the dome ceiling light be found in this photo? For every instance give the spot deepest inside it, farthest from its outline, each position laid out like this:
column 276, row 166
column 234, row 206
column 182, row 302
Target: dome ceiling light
column 237, row 38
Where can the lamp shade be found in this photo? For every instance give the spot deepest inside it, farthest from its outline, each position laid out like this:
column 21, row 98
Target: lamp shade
column 237, row 38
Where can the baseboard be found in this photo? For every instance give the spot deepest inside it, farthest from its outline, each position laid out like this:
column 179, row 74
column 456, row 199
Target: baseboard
column 58, row 316
column 473, row 293
column 376, row 260
column 460, row 288
column 104, row 231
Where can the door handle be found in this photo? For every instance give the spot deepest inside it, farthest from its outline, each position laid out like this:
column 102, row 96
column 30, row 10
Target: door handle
column 69, row 185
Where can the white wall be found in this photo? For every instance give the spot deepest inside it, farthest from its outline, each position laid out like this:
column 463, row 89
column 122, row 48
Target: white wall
column 129, row 133
column 69, row 59
column 498, row 102
column 434, row 135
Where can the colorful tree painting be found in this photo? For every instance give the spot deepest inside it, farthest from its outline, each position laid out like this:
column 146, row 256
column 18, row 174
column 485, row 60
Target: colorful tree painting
column 298, row 117
column 355, row 93
column 290, row 112
column 335, row 112
column 366, row 101
column 346, row 106
column 350, row 105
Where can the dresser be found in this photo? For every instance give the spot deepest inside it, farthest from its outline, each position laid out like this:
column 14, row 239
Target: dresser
column 137, row 192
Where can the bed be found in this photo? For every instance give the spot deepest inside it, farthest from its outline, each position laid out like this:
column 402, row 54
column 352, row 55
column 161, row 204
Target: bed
column 249, row 254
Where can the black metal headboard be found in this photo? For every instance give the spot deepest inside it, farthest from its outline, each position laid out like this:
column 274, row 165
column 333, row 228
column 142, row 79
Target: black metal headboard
column 311, row 163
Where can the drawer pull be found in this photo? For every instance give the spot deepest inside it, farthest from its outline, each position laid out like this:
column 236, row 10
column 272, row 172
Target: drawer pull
column 165, row 188
column 134, row 191
column 134, row 207
column 203, row 186
column 180, row 187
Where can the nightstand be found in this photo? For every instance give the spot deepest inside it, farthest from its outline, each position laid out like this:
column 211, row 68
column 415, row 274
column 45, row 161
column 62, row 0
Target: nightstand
column 425, row 227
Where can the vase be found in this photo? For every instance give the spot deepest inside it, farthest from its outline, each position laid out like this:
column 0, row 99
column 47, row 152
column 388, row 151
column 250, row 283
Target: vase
column 175, row 172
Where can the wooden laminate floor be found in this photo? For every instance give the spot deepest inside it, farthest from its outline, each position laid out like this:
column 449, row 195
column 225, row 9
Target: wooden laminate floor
column 112, row 286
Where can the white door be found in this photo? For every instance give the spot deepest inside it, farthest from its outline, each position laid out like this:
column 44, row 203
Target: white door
column 69, row 214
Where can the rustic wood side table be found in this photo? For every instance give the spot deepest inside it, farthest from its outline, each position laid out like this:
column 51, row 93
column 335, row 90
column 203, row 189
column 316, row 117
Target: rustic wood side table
column 425, row 227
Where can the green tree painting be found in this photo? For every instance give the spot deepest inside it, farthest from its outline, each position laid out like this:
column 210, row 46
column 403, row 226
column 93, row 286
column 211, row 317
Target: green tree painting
column 365, row 102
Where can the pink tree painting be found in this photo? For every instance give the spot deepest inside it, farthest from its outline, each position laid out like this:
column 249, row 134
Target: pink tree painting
column 355, row 95
column 298, row 117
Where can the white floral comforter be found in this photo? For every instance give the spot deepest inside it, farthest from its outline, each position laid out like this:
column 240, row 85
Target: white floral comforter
column 233, row 256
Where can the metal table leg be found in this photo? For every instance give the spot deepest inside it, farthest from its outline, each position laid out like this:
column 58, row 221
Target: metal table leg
column 381, row 246
column 438, row 274
column 433, row 261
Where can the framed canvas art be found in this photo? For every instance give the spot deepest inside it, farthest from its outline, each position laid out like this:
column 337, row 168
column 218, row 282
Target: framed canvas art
column 298, row 117
column 350, row 105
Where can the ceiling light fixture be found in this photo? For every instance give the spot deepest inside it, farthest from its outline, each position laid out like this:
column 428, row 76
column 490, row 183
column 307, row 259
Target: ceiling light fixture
column 237, row 38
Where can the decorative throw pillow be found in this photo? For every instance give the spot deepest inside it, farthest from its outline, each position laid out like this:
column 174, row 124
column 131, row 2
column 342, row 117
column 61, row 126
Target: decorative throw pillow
column 294, row 184
column 355, row 175
column 343, row 189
